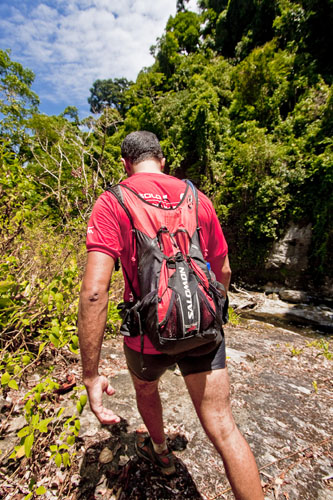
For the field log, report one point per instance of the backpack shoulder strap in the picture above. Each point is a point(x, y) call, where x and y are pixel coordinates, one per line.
point(116, 191)
point(195, 192)
point(199, 229)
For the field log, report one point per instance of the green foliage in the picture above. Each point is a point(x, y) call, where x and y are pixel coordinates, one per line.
point(109, 93)
point(234, 318)
point(263, 90)
point(185, 26)
point(253, 132)
point(19, 196)
point(40, 269)
point(253, 189)
point(315, 386)
point(294, 351)
point(306, 25)
point(102, 150)
point(323, 346)
point(17, 101)
point(56, 157)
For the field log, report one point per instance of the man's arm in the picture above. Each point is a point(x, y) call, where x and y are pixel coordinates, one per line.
point(222, 270)
point(93, 308)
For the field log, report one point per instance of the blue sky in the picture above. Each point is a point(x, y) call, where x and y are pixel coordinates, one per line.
point(71, 43)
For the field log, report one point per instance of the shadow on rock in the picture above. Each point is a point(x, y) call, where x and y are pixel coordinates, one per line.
point(112, 470)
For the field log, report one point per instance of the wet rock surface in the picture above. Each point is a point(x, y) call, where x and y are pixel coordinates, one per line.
point(270, 307)
point(281, 389)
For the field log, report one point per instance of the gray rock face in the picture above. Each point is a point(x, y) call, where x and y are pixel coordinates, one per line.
point(292, 250)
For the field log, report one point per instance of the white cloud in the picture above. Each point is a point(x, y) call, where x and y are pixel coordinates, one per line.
point(71, 43)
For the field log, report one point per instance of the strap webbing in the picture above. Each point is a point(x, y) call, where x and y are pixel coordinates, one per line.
point(195, 192)
point(116, 191)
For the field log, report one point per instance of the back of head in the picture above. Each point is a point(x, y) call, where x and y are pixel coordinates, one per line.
point(141, 145)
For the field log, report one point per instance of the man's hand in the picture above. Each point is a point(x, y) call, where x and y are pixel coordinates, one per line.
point(93, 309)
point(95, 389)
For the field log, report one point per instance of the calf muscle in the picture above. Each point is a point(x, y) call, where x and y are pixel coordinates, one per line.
point(210, 395)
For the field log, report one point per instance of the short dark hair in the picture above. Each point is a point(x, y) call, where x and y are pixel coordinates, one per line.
point(139, 146)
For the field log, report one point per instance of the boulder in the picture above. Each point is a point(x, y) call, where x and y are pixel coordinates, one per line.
point(291, 251)
point(257, 305)
point(293, 296)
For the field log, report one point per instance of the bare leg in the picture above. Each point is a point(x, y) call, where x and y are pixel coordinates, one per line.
point(150, 407)
point(210, 395)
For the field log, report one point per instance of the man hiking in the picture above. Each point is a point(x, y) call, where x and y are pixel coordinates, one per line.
point(120, 227)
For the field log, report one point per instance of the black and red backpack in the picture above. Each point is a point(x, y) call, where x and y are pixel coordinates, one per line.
point(180, 306)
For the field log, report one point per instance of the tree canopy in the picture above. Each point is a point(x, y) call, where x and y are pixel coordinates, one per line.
point(240, 96)
point(109, 93)
point(17, 100)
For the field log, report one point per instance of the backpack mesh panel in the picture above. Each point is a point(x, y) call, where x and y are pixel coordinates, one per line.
point(206, 317)
point(171, 328)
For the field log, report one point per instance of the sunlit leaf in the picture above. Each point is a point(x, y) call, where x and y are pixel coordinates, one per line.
point(29, 440)
point(58, 459)
point(41, 348)
point(26, 359)
point(66, 459)
point(83, 400)
point(13, 384)
point(5, 378)
point(40, 490)
point(23, 432)
point(71, 440)
point(60, 412)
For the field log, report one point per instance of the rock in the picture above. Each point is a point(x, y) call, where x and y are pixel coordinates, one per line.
point(236, 356)
point(297, 314)
point(292, 250)
point(6, 446)
point(89, 425)
point(294, 296)
point(16, 424)
point(105, 456)
point(123, 459)
point(257, 305)
point(274, 404)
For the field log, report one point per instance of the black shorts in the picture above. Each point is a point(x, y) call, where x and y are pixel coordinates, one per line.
point(154, 365)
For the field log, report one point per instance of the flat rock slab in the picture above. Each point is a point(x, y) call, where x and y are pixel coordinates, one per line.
point(257, 305)
point(282, 401)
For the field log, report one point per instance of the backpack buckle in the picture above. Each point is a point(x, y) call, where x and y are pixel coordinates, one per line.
point(171, 262)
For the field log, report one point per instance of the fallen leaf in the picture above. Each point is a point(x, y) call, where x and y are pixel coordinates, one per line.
point(66, 386)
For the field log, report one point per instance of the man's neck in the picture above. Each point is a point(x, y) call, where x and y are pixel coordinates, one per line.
point(148, 166)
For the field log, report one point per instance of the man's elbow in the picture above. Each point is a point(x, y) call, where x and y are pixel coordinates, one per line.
point(93, 295)
point(226, 271)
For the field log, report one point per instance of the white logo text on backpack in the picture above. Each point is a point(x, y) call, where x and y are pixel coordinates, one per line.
point(187, 293)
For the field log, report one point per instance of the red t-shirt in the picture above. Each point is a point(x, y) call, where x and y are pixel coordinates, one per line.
point(109, 230)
